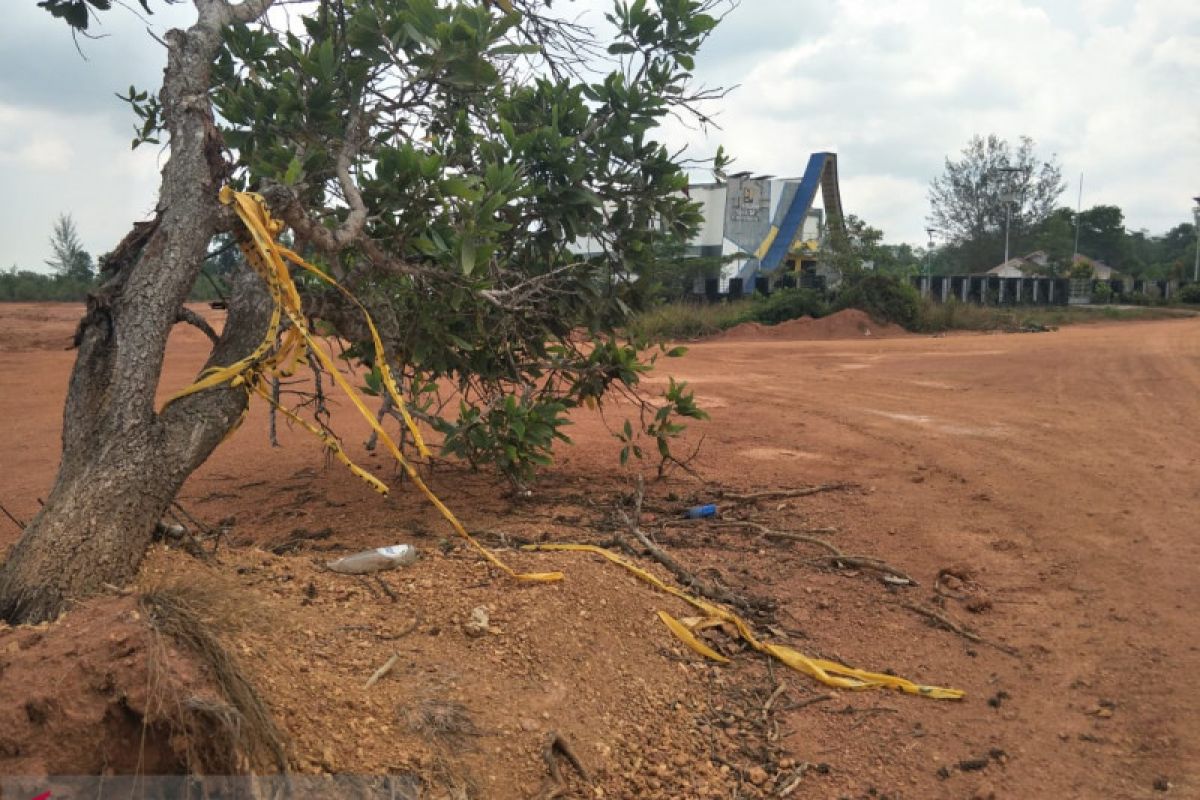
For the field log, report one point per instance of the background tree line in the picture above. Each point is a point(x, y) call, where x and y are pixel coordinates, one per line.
point(969, 201)
point(74, 271)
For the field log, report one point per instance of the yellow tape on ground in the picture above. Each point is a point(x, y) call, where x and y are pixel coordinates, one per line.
point(279, 354)
point(829, 673)
point(686, 636)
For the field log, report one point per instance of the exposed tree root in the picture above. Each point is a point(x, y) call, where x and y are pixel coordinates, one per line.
point(240, 736)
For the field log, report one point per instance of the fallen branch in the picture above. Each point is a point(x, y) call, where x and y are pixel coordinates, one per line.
point(945, 622)
point(784, 493)
point(681, 574)
point(793, 537)
point(684, 576)
point(864, 562)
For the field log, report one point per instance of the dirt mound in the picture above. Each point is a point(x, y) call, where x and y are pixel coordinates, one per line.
point(848, 324)
point(85, 695)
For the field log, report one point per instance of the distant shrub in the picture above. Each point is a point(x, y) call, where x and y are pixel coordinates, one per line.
point(1190, 293)
point(1102, 293)
point(688, 320)
point(955, 315)
point(1136, 299)
point(885, 298)
point(788, 304)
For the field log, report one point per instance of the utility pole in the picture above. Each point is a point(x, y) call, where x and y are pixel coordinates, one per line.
point(1078, 211)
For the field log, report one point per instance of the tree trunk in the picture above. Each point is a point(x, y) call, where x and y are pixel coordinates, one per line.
point(122, 462)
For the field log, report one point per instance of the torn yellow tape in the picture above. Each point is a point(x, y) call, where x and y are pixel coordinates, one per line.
point(278, 355)
point(687, 637)
point(829, 673)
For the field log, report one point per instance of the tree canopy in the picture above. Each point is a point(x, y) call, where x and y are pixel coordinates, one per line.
point(70, 259)
point(968, 200)
point(478, 183)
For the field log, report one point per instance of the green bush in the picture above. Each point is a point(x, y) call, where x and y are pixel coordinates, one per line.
point(516, 435)
point(788, 304)
point(885, 298)
point(1190, 293)
point(1102, 293)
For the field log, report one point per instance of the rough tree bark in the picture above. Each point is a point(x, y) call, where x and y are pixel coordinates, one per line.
point(122, 462)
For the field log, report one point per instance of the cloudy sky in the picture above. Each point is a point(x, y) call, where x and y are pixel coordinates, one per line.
point(1112, 88)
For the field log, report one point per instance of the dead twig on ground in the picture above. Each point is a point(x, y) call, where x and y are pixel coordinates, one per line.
point(797, 534)
point(207, 530)
point(780, 689)
point(556, 744)
point(821, 698)
point(791, 537)
point(382, 672)
point(386, 588)
point(942, 621)
point(683, 575)
point(865, 562)
point(773, 494)
point(835, 555)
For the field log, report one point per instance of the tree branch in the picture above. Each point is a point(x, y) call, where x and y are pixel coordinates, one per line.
point(196, 321)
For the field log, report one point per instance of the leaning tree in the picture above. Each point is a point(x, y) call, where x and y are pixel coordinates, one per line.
point(482, 176)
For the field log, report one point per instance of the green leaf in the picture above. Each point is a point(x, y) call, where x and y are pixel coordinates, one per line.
point(294, 172)
point(467, 255)
point(664, 449)
point(516, 50)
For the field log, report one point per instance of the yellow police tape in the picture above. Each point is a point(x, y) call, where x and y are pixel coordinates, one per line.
point(829, 673)
point(278, 356)
point(256, 238)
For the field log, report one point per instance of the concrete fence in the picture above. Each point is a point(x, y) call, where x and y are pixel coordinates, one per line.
point(993, 290)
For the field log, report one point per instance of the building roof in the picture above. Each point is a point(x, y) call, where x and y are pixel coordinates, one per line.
point(1031, 262)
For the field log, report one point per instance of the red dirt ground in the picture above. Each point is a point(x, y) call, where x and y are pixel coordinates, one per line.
point(1058, 473)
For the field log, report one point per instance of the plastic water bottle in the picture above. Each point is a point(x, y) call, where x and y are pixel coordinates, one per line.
point(377, 560)
point(701, 512)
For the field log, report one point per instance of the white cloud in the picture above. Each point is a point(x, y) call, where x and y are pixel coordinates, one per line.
point(893, 86)
point(898, 86)
point(55, 162)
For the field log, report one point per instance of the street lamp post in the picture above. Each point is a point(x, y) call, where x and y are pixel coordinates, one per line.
point(929, 253)
point(1008, 198)
point(1196, 217)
